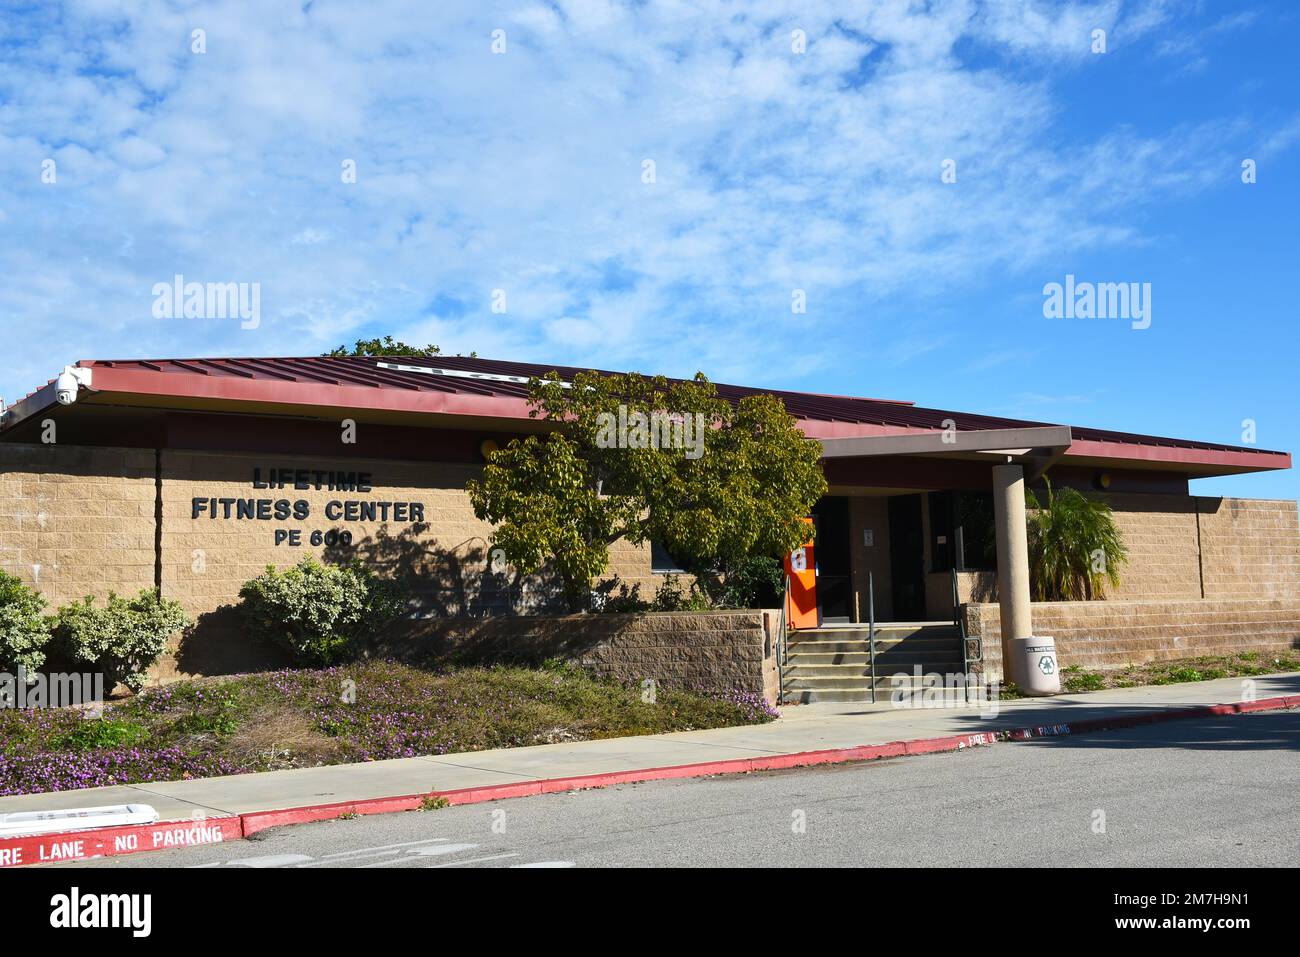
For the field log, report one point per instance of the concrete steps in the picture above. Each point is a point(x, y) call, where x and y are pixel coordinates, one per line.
point(834, 664)
point(910, 646)
point(884, 692)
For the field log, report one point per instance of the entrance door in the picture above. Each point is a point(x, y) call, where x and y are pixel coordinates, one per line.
point(907, 557)
point(831, 550)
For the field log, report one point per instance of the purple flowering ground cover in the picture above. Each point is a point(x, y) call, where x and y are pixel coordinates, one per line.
point(362, 712)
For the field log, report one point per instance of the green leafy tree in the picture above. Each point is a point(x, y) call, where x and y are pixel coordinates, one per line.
point(738, 487)
point(387, 346)
point(1075, 548)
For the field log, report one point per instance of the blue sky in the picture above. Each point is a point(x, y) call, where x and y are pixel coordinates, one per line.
point(775, 170)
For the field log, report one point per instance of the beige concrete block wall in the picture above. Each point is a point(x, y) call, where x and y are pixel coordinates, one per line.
point(978, 586)
point(1113, 634)
point(1250, 547)
point(444, 559)
point(446, 554)
point(1227, 546)
point(206, 560)
point(1246, 548)
point(1160, 532)
point(77, 521)
point(717, 651)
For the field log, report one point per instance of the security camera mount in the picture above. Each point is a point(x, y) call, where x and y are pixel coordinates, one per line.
point(69, 380)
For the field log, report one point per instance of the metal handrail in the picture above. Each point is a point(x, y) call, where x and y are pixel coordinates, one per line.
point(780, 650)
point(966, 643)
point(956, 607)
point(956, 623)
point(871, 632)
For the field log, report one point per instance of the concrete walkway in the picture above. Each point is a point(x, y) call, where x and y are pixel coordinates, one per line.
point(814, 727)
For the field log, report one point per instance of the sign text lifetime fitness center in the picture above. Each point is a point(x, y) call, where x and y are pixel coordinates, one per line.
point(299, 510)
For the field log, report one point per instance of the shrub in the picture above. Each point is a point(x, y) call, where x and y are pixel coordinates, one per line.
point(670, 597)
point(123, 638)
point(1076, 679)
point(613, 597)
point(1075, 547)
point(24, 632)
point(753, 582)
point(320, 614)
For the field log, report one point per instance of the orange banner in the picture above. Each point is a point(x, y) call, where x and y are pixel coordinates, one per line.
point(801, 568)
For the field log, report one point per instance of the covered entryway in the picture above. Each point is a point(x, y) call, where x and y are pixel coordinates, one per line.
point(877, 590)
point(871, 596)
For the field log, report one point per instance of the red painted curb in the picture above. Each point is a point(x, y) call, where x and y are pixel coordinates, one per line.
point(112, 841)
point(83, 845)
point(490, 792)
point(260, 820)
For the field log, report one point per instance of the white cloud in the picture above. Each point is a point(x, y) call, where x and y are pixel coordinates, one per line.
point(132, 151)
point(523, 171)
point(309, 237)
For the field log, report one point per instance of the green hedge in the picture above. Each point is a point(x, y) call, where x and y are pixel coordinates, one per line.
point(120, 639)
point(320, 614)
point(24, 629)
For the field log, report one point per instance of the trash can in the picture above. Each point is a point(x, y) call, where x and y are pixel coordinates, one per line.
point(1038, 669)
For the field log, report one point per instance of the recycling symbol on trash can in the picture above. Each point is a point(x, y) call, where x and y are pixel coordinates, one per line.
point(1047, 664)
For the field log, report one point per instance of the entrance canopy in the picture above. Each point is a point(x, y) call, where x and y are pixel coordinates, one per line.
point(1036, 446)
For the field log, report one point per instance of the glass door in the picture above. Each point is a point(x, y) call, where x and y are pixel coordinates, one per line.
point(832, 551)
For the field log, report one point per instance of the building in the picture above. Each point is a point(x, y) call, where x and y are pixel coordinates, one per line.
point(193, 474)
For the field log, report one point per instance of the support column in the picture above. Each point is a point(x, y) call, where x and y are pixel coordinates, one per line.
point(1013, 564)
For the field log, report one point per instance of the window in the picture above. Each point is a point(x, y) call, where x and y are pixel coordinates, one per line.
point(662, 563)
point(975, 518)
point(961, 531)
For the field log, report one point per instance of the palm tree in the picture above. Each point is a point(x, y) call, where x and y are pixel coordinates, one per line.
point(1075, 549)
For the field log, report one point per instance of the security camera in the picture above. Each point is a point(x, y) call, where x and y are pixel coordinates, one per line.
point(65, 386)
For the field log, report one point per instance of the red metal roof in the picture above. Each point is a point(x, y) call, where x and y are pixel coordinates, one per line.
point(367, 371)
point(363, 382)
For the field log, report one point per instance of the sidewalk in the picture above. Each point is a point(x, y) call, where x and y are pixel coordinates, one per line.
point(813, 727)
point(783, 743)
